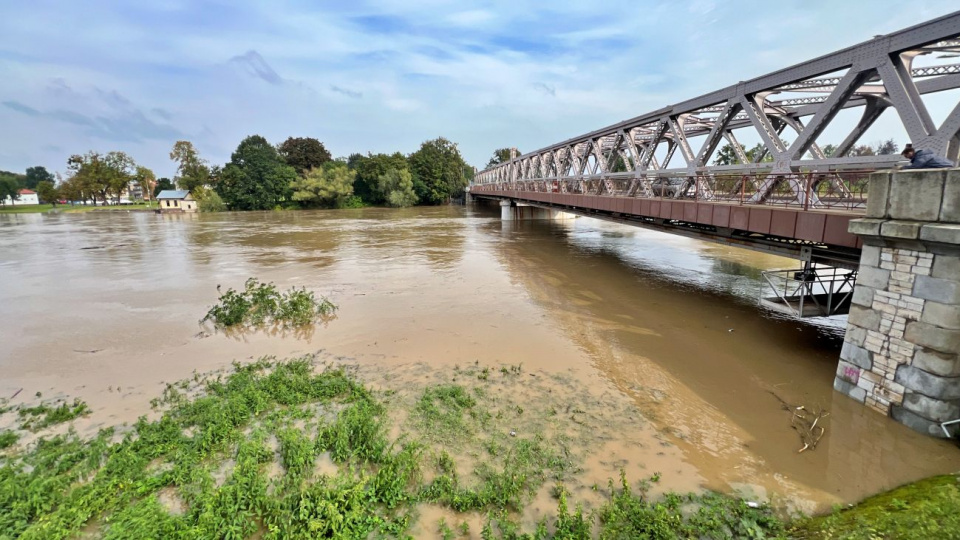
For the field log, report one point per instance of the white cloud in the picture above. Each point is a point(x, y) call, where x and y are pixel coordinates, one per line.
point(384, 77)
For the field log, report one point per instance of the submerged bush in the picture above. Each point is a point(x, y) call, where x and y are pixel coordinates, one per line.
point(260, 304)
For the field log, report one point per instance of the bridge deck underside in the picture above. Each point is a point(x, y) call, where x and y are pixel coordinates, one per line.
point(779, 230)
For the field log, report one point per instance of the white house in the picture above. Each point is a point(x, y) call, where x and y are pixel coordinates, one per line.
point(176, 201)
point(27, 197)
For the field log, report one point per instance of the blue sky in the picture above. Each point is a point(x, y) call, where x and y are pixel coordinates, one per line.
point(384, 76)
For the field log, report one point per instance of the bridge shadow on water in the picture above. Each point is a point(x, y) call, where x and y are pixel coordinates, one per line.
point(674, 323)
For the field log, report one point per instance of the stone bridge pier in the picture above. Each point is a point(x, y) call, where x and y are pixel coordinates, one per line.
point(900, 352)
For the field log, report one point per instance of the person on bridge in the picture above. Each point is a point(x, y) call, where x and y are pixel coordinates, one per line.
point(925, 159)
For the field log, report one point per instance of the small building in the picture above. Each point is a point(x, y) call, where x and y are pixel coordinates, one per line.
point(176, 200)
point(27, 197)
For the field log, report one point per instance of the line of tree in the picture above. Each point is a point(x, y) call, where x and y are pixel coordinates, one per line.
point(35, 178)
point(727, 155)
point(300, 172)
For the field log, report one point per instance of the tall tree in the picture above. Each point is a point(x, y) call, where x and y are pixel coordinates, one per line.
point(119, 172)
point(35, 175)
point(397, 188)
point(501, 155)
point(329, 185)
point(303, 153)
point(145, 178)
point(861, 150)
point(47, 192)
point(192, 170)
point(163, 184)
point(88, 176)
point(887, 147)
point(9, 187)
point(369, 170)
point(438, 171)
point(256, 177)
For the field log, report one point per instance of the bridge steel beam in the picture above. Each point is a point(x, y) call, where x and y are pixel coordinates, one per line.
point(901, 351)
point(874, 75)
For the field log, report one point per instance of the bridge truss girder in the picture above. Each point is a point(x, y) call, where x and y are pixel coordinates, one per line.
point(872, 76)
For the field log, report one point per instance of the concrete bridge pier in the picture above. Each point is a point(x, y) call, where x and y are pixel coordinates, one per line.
point(900, 352)
point(511, 211)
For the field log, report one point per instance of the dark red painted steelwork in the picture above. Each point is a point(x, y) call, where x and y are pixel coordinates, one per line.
point(827, 227)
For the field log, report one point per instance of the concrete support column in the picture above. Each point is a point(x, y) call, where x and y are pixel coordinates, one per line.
point(900, 352)
point(510, 211)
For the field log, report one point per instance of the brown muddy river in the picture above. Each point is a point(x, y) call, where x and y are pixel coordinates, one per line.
point(104, 306)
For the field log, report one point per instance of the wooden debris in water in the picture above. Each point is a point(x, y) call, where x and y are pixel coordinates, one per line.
point(807, 425)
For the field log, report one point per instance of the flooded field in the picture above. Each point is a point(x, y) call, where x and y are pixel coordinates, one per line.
point(653, 344)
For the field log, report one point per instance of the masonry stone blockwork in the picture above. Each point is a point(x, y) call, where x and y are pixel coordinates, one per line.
point(900, 353)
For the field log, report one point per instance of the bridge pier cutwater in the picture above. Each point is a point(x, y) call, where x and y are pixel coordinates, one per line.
point(901, 351)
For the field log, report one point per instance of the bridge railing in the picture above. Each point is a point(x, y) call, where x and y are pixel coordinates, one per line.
point(847, 190)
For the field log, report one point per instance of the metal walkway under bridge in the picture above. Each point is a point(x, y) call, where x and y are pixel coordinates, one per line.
point(793, 199)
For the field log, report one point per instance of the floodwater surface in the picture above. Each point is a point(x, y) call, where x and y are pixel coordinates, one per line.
point(657, 338)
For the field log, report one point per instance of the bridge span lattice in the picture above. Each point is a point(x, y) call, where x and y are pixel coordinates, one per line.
point(637, 157)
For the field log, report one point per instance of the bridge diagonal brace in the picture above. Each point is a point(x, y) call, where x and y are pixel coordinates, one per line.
point(903, 93)
point(807, 136)
point(718, 130)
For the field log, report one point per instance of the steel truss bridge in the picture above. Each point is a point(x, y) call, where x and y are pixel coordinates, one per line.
point(789, 198)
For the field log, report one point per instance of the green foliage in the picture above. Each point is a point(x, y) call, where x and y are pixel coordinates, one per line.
point(256, 177)
point(192, 171)
point(9, 187)
point(328, 186)
point(47, 192)
point(303, 153)
point(208, 200)
point(261, 304)
point(369, 169)
point(145, 178)
point(502, 155)
point(926, 509)
point(630, 515)
point(43, 415)
point(438, 170)
point(94, 175)
point(396, 186)
point(352, 201)
point(163, 184)
point(8, 439)
point(35, 175)
point(441, 410)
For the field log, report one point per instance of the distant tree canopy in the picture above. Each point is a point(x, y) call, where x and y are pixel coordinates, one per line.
point(369, 169)
point(35, 175)
point(396, 187)
point(303, 153)
point(47, 192)
point(329, 186)
point(94, 175)
point(500, 155)
point(9, 187)
point(163, 184)
point(261, 176)
point(256, 178)
point(439, 171)
point(726, 155)
point(192, 170)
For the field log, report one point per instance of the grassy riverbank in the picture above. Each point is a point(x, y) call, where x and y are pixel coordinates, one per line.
point(298, 450)
point(71, 209)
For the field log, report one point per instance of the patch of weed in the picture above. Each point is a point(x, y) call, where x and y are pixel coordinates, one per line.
point(260, 304)
point(44, 415)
